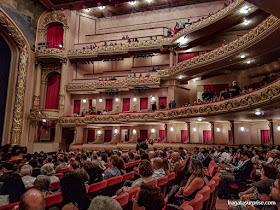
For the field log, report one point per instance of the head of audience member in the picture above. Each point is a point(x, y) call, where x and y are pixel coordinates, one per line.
point(75, 165)
point(121, 164)
point(73, 190)
point(49, 159)
point(275, 153)
point(47, 170)
point(83, 174)
point(158, 163)
point(145, 168)
point(152, 154)
point(124, 156)
point(263, 192)
point(26, 170)
point(104, 203)
point(43, 183)
point(104, 157)
point(114, 161)
point(145, 156)
point(204, 152)
point(33, 163)
point(196, 169)
point(60, 160)
point(139, 141)
point(175, 156)
point(244, 156)
point(275, 190)
point(131, 156)
point(165, 165)
point(149, 197)
point(32, 200)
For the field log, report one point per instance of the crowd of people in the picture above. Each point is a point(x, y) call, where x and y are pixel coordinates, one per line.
point(21, 170)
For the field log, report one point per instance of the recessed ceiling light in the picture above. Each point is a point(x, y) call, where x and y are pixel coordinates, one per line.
point(248, 62)
point(194, 129)
point(242, 129)
point(101, 7)
point(245, 10)
point(183, 40)
point(84, 101)
point(278, 128)
point(149, 1)
point(258, 113)
point(218, 130)
point(242, 56)
point(132, 2)
point(246, 22)
point(44, 120)
point(86, 10)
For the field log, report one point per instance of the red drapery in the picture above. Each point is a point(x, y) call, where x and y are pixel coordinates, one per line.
point(77, 106)
point(108, 136)
point(265, 135)
point(55, 36)
point(184, 136)
point(143, 134)
point(126, 104)
point(52, 96)
point(109, 104)
point(216, 89)
point(162, 100)
point(206, 137)
point(186, 56)
point(91, 135)
point(161, 134)
point(90, 103)
point(143, 103)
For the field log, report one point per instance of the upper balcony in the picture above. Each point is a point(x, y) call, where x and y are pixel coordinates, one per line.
point(50, 54)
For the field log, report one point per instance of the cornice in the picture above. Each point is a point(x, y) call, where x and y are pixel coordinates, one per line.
point(262, 97)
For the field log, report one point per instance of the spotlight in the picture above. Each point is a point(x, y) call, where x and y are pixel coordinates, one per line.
point(149, 1)
point(242, 56)
point(134, 132)
point(44, 120)
point(278, 128)
point(100, 100)
point(86, 10)
point(134, 99)
point(99, 132)
point(171, 129)
point(246, 22)
point(245, 10)
point(153, 130)
point(117, 99)
point(180, 77)
point(153, 98)
point(248, 62)
point(116, 131)
point(183, 40)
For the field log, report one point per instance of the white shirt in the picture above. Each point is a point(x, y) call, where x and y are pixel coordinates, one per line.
point(269, 160)
point(225, 157)
point(28, 181)
point(159, 173)
point(142, 180)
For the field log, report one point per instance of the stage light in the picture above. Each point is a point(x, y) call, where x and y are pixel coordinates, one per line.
point(99, 132)
point(134, 99)
point(84, 101)
point(242, 129)
point(100, 100)
point(134, 132)
point(60, 45)
point(44, 120)
point(258, 113)
point(171, 129)
point(278, 128)
point(101, 7)
point(242, 56)
point(117, 99)
point(153, 130)
point(246, 22)
point(194, 129)
point(199, 119)
point(132, 3)
point(116, 131)
point(218, 130)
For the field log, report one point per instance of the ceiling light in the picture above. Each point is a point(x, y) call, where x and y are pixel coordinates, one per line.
point(84, 101)
point(245, 10)
point(153, 130)
point(100, 100)
point(248, 62)
point(183, 40)
point(278, 127)
point(242, 56)
point(101, 7)
point(117, 99)
point(258, 113)
point(149, 1)
point(132, 2)
point(153, 98)
point(218, 130)
point(246, 22)
point(134, 99)
point(171, 129)
point(44, 120)
point(194, 79)
point(199, 119)
point(194, 129)
point(242, 129)
point(180, 77)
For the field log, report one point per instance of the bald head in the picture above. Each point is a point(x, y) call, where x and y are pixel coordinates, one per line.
point(175, 156)
point(158, 163)
point(32, 200)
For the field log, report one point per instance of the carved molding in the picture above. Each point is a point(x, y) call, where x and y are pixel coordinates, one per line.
point(54, 17)
point(259, 98)
point(113, 84)
point(12, 30)
point(36, 102)
point(51, 53)
point(61, 101)
point(40, 114)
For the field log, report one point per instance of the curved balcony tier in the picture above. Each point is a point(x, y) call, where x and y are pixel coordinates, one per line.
point(50, 54)
point(259, 98)
point(46, 114)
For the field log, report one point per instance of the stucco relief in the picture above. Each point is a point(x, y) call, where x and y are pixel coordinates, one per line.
point(54, 17)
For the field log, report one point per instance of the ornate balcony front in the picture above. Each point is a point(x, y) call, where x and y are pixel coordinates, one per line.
point(50, 54)
point(44, 114)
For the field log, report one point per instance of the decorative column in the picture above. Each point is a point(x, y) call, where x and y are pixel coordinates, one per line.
point(165, 134)
point(177, 58)
point(212, 125)
point(231, 140)
point(271, 128)
point(36, 100)
point(171, 57)
point(189, 132)
point(63, 81)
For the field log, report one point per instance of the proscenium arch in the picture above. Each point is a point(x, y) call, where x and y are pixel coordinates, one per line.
point(20, 64)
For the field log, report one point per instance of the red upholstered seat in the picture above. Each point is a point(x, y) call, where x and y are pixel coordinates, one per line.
point(205, 191)
point(171, 176)
point(154, 182)
point(162, 181)
point(114, 180)
point(97, 186)
point(188, 207)
point(196, 203)
point(113, 184)
point(59, 175)
point(55, 185)
point(211, 184)
point(9, 207)
point(212, 168)
point(132, 193)
point(122, 199)
point(53, 199)
point(64, 170)
point(128, 176)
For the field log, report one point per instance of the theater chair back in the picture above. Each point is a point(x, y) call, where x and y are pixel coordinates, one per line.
point(154, 182)
point(9, 207)
point(212, 185)
point(59, 175)
point(55, 185)
point(196, 203)
point(53, 199)
point(171, 180)
point(205, 191)
point(97, 188)
point(162, 183)
point(113, 184)
point(212, 168)
point(132, 193)
point(122, 199)
point(179, 175)
point(129, 166)
point(128, 176)
point(217, 179)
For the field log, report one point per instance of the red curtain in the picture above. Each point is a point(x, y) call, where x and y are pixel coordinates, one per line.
point(77, 106)
point(206, 137)
point(143, 134)
point(89, 103)
point(216, 89)
point(126, 104)
point(184, 136)
point(55, 36)
point(109, 104)
point(91, 135)
point(143, 103)
point(108, 136)
point(162, 100)
point(265, 135)
point(161, 134)
point(52, 96)
point(186, 56)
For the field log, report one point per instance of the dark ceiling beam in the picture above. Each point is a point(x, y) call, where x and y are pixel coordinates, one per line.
point(271, 6)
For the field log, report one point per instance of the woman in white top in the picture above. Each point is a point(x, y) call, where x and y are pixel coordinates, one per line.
point(49, 171)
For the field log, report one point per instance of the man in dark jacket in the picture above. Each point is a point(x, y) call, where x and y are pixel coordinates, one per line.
point(206, 158)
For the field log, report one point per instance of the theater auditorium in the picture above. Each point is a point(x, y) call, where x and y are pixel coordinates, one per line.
point(140, 104)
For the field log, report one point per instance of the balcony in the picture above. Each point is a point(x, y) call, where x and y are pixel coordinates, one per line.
point(44, 114)
point(50, 54)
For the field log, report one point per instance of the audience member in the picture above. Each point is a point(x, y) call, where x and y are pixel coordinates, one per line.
point(27, 179)
point(32, 200)
point(104, 203)
point(174, 163)
point(113, 170)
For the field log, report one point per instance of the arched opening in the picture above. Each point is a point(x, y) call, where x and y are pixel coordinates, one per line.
point(55, 36)
point(52, 95)
point(5, 61)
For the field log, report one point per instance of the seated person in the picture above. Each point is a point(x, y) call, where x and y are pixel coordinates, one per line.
point(158, 168)
point(206, 158)
point(174, 163)
point(25, 172)
point(49, 171)
point(195, 183)
point(162, 106)
point(43, 184)
point(101, 202)
point(113, 170)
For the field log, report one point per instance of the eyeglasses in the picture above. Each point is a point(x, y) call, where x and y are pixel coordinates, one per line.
point(134, 200)
point(273, 186)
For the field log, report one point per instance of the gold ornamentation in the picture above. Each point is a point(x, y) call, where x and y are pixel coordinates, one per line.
point(40, 114)
point(50, 52)
point(36, 102)
point(61, 101)
point(54, 17)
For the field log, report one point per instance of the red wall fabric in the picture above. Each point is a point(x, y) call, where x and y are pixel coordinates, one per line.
point(143, 134)
point(55, 36)
point(126, 104)
point(265, 136)
point(162, 100)
point(206, 137)
point(216, 89)
point(109, 104)
point(143, 103)
point(184, 135)
point(186, 56)
point(90, 103)
point(161, 134)
point(52, 96)
point(77, 106)
point(91, 135)
point(108, 136)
